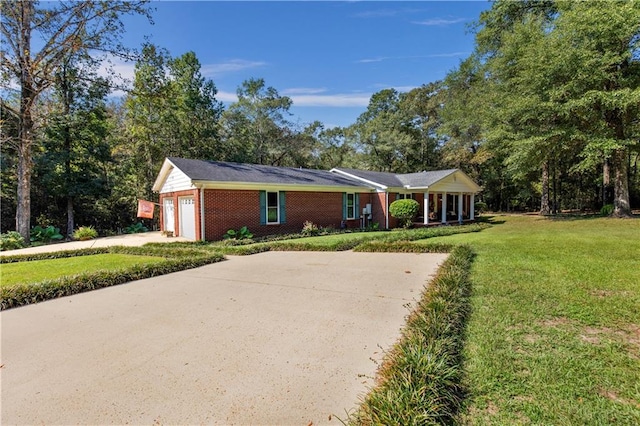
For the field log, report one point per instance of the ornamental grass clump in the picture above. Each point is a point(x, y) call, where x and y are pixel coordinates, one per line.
point(85, 233)
point(420, 379)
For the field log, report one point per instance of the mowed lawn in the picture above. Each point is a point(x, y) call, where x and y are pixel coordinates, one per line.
point(554, 336)
point(40, 270)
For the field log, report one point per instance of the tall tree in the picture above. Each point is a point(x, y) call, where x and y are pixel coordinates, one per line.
point(61, 28)
point(74, 140)
point(256, 127)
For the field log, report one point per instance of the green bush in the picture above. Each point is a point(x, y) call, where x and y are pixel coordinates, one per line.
point(606, 210)
point(11, 240)
point(136, 228)
point(242, 234)
point(404, 211)
point(46, 234)
point(480, 207)
point(85, 233)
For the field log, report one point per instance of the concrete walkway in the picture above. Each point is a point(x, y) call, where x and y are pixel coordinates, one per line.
point(118, 240)
point(274, 338)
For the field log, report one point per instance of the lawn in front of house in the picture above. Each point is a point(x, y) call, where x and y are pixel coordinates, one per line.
point(39, 270)
point(554, 335)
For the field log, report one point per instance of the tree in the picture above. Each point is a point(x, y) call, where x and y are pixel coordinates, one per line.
point(171, 111)
point(256, 128)
point(74, 140)
point(64, 27)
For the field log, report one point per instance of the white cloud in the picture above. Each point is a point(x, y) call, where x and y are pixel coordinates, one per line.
point(232, 65)
point(440, 22)
point(302, 91)
point(370, 60)
point(386, 58)
point(227, 97)
point(336, 100)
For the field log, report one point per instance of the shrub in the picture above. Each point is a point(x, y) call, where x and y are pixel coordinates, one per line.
point(606, 210)
point(310, 229)
point(404, 211)
point(45, 235)
point(136, 228)
point(85, 233)
point(242, 234)
point(480, 207)
point(11, 240)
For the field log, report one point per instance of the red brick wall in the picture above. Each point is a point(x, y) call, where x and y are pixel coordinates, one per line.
point(233, 209)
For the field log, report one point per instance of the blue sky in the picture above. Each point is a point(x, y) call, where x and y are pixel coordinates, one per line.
point(329, 57)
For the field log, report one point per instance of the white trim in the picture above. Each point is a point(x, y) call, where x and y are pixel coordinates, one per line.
point(257, 186)
point(460, 202)
point(444, 208)
point(202, 234)
point(426, 207)
point(353, 206)
point(349, 175)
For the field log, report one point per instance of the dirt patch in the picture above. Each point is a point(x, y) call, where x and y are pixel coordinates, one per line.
point(603, 294)
point(629, 335)
point(613, 396)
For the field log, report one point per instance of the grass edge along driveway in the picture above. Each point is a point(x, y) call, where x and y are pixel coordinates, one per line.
point(554, 337)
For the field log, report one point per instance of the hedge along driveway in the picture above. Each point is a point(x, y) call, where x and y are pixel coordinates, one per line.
point(273, 338)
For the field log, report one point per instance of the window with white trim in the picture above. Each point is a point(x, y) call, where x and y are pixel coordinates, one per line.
point(405, 196)
point(351, 205)
point(273, 207)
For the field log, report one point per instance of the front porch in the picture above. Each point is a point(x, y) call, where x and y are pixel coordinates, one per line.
point(440, 208)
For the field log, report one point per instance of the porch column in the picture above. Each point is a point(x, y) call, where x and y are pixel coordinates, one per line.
point(460, 201)
point(426, 208)
point(472, 207)
point(444, 207)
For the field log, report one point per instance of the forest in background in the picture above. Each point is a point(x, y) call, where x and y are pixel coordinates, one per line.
point(544, 115)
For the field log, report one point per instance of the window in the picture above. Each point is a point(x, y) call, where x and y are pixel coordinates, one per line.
point(351, 205)
point(272, 208)
point(405, 197)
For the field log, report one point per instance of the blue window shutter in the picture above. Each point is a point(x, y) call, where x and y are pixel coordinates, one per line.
point(283, 214)
point(344, 206)
point(356, 205)
point(263, 207)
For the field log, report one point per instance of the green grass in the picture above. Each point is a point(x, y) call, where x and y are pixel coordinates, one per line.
point(40, 270)
point(554, 337)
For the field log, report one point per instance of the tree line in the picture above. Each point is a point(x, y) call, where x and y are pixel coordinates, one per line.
point(544, 115)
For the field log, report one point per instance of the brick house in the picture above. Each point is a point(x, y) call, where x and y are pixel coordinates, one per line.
point(202, 200)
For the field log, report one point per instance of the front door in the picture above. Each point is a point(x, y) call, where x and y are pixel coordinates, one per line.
point(169, 215)
point(187, 218)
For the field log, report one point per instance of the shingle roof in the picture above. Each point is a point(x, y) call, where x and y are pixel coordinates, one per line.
point(415, 180)
point(219, 171)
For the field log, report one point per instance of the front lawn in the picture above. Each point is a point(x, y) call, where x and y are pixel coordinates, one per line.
point(39, 270)
point(554, 336)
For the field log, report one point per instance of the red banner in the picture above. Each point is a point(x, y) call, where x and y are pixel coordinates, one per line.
point(145, 209)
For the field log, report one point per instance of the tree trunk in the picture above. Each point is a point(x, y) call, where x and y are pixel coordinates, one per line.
point(25, 131)
point(70, 218)
point(607, 193)
point(621, 204)
point(545, 209)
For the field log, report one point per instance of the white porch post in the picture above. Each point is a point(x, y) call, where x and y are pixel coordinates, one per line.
point(472, 207)
point(460, 200)
point(426, 208)
point(444, 207)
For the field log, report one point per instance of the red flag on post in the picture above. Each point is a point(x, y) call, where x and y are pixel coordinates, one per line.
point(145, 209)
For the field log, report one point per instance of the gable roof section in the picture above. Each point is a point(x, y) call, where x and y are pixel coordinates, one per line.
point(408, 181)
point(201, 171)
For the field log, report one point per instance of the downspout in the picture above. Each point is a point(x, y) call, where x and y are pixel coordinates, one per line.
point(202, 234)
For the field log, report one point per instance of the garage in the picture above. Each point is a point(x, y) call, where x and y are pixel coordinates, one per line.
point(187, 217)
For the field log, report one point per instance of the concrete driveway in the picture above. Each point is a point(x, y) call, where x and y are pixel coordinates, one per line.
point(116, 240)
point(275, 338)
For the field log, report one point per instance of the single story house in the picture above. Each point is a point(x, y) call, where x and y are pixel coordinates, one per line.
point(202, 200)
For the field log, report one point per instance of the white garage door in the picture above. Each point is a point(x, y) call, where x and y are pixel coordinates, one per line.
point(169, 215)
point(187, 218)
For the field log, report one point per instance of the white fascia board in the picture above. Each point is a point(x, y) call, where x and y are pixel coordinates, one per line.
point(257, 186)
point(349, 175)
point(166, 168)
